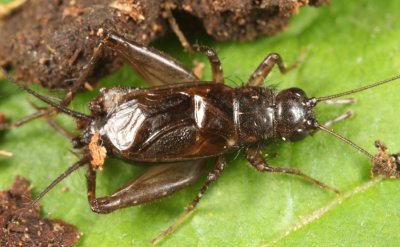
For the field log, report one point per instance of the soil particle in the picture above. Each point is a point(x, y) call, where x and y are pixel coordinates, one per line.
point(19, 227)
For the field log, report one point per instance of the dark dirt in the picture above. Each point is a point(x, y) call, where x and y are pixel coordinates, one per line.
point(244, 19)
point(55, 38)
point(30, 229)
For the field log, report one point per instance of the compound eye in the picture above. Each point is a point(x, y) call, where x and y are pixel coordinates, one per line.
point(304, 129)
point(299, 93)
point(299, 135)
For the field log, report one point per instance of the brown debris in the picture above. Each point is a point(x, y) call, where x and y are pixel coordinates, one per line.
point(3, 121)
point(98, 152)
point(25, 228)
point(130, 8)
point(385, 164)
point(2, 118)
point(198, 69)
point(53, 40)
point(64, 189)
point(5, 153)
point(73, 11)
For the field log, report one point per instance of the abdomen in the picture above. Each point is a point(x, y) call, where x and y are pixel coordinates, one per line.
point(172, 123)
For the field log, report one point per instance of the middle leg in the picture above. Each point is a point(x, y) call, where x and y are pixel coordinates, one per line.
point(212, 177)
point(262, 71)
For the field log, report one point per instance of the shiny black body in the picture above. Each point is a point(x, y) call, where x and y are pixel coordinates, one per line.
point(192, 120)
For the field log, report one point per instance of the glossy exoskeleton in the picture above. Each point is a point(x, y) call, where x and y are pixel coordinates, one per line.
point(179, 122)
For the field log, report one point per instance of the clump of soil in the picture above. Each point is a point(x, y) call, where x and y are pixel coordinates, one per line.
point(49, 41)
point(244, 19)
point(19, 227)
point(55, 39)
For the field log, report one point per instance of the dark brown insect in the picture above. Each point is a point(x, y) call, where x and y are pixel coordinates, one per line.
point(178, 123)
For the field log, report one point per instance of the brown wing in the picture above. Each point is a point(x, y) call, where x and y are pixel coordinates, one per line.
point(160, 69)
point(172, 124)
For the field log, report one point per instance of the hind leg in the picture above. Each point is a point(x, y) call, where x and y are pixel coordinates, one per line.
point(155, 183)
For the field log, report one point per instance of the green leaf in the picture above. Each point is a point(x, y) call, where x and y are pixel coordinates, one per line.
point(349, 44)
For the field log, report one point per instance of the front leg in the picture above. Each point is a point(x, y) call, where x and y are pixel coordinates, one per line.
point(254, 156)
point(262, 71)
point(217, 73)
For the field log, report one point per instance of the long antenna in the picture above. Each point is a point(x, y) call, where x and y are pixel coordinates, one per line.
point(358, 89)
point(61, 108)
point(56, 181)
point(363, 151)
